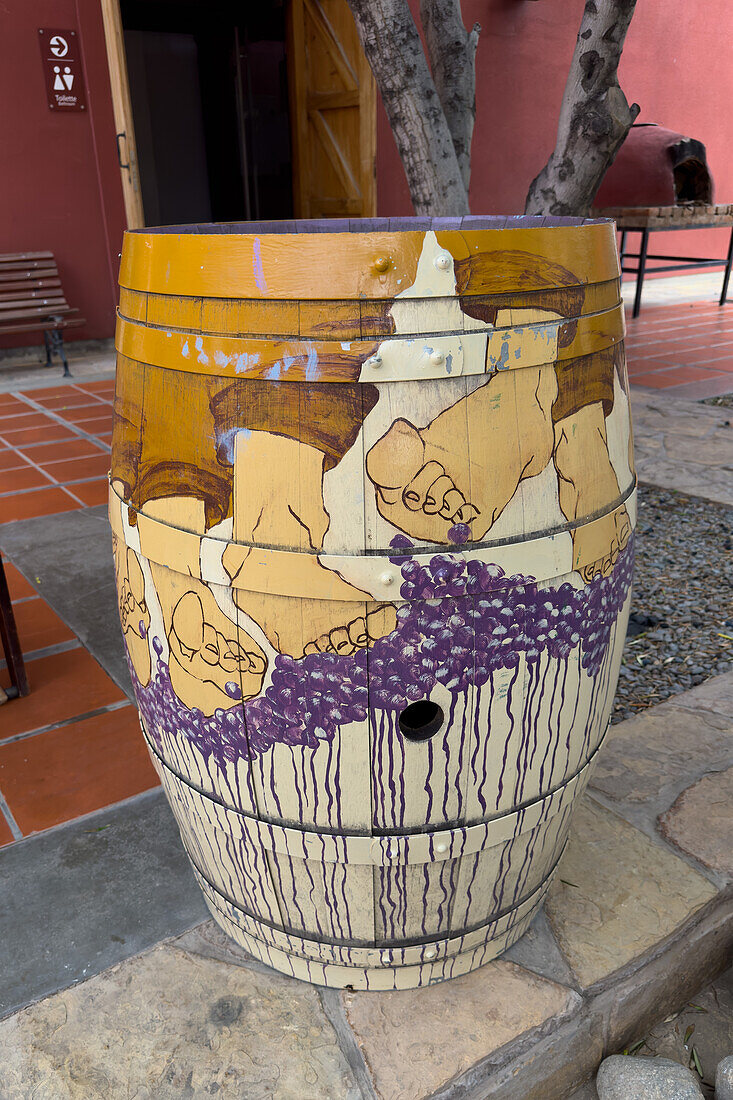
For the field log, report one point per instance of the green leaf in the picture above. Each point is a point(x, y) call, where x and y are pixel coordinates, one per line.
point(696, 1060)
point(688, 1033)
point(635, 1046)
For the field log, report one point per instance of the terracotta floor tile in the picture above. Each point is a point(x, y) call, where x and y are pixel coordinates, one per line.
point(62, 686)
point(10, 403)
point(101, 386)
point(10, 459)
point(98, 425)
point(94, 466)
point(17, 421)
point(664, 379)
point(49, 391)
point(26, 477)
point(39, 626)
point(92, 411)
point(64, 773)
point(19, 587)
point(48, 433)
point(57, 452)
point(72, 400)
point(91, 493)
point(6, 836)
point(35, 502)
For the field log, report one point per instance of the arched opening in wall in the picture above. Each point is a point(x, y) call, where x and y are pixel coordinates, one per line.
point(242, 111)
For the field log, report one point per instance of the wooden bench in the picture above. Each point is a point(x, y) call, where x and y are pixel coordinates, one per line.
point(32, 300)
point(653, 219)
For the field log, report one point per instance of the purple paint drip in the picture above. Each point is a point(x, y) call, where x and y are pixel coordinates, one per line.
point(440, 638)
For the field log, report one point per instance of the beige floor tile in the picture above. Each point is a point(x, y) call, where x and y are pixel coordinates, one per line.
point(167, 1025)
point(660, 749)
point(416, 1040)
point(617, 893)
point(701, 821)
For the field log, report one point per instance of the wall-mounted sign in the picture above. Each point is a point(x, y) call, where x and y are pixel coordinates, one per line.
point(62, 69)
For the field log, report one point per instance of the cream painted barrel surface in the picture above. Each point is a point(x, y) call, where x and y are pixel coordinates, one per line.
point(373, 500)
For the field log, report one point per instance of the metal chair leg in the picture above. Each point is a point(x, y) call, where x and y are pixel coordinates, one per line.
point(11, 642)
point(641, 272)
point(726, 277)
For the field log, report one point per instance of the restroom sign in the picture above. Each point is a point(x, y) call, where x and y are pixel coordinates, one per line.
point(62, 69)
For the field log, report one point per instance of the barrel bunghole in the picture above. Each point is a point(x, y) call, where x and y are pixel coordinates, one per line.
point(372, 497)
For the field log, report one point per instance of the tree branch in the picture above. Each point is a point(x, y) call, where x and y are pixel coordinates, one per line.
point(595, 116)
point(452, 54)
point(393, 48)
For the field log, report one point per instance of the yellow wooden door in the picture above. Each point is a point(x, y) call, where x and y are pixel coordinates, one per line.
point(333, 113)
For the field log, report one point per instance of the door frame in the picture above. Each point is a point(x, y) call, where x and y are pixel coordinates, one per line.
point(122, 106)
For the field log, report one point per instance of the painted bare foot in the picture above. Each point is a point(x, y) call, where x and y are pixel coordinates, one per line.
point(337, 623)
point(413, 490)
point(360, 633)
point(212, 664)
point(600, 543)
point(134, 613)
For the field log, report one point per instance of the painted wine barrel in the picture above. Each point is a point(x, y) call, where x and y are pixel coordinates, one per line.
point(372, 498)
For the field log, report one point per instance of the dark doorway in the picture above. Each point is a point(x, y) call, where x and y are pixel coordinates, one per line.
point(208, 84)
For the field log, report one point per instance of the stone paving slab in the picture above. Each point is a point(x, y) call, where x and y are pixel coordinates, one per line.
point(617, 894)
point(683, 445)
point(415, 1041)
point(648, 760)
point(170, 1024)
point(701, 821)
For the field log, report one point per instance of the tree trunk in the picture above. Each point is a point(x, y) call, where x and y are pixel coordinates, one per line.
point(595, 116)
point(393, 48)
point(452, 54)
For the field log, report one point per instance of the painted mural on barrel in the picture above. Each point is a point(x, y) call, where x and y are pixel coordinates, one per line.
point(372, 522)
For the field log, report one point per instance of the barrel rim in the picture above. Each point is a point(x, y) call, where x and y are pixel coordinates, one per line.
point(306, 226)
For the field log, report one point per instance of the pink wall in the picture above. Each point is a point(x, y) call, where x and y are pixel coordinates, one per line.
point(676, 65)
point(60, 185)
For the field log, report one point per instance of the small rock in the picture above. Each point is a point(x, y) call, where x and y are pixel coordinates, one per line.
point(724, 1079)
point(623, 1077)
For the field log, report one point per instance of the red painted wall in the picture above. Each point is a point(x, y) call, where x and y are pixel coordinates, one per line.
point(676, 65)
point(60, 184)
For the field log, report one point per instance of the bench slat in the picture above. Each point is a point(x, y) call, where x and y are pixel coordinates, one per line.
point(12, 257)
point(41, 273)
point(29, 286)
point(27, 271)
point(34, 298)
point(40, 312)
point(73, 323)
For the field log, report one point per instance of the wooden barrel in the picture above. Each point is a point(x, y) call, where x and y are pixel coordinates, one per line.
point(372, 497)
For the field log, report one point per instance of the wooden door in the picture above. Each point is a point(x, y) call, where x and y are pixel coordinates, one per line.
point(333, 113)
point(126, 148)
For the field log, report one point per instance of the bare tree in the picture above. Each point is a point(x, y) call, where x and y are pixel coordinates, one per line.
point(595, 116)
point(431, 107)
point(431, 115)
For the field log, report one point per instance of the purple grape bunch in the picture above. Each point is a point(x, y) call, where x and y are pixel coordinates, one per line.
point(464, 621)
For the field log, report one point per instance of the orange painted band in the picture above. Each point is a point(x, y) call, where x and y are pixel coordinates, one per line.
point(309, 360)
point(345, 265)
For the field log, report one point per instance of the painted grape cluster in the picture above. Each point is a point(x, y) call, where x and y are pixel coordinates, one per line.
point(465, 620)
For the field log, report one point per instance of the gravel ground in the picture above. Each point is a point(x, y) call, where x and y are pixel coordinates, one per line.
point(725, 399)
point(681, 626)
